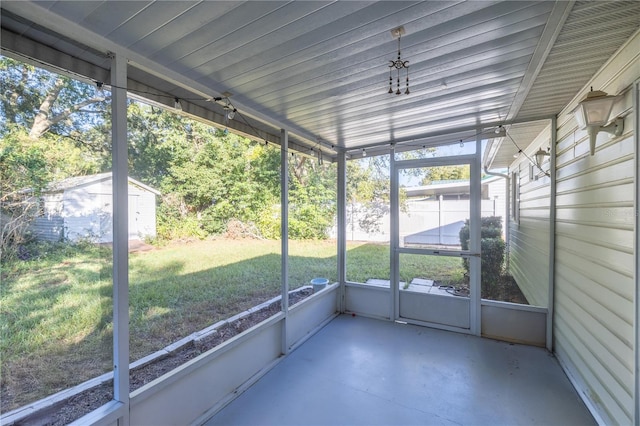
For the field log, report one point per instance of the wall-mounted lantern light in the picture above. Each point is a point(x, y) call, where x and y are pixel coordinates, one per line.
point(540, 154)
point(593, 113)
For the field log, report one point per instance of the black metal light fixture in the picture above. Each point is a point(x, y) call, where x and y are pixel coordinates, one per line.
point(398, 64)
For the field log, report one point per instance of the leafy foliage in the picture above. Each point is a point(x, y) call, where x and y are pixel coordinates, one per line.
point(368, 191)
point(446, 173)
point(492, 247)
point(58, 127)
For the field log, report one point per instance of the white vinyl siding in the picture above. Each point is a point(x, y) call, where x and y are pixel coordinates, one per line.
point(529, 236)
point(595, 220)
point(593, 315)
point(594, 272)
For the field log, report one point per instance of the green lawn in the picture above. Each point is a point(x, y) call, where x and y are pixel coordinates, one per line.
point(56, 328)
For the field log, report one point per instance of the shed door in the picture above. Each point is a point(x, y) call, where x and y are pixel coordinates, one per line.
point(134, 217)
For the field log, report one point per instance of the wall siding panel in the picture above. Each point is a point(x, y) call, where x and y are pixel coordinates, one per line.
point(594, 307)
point(529, 237)
point(594, 293)
point(594, 290)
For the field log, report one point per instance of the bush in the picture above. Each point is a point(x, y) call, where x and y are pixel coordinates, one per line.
point(268, 223)
point(492, 248)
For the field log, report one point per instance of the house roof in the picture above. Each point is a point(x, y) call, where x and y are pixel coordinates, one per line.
point(321, 69)
point(74, 182)
point(450, 186)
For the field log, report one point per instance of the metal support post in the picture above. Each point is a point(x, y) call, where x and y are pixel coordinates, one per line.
point(120, 235)
point(552, 233)
point(342, 228)
point(284, 232)
point(475, 224)
point(394, 239)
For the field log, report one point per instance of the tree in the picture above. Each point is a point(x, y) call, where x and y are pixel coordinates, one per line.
point(312, 198)
point(438, 173)
point(42, 101)
point(22, 176)
point(50, 121)
point(60, 127)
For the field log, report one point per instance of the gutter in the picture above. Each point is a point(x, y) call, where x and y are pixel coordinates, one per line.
point(507, 221)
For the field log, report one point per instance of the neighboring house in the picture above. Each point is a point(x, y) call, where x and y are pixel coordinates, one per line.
point(436, 212)
point(81, 207)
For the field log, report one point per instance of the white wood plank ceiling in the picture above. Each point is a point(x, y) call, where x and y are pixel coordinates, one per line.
point(320, 69)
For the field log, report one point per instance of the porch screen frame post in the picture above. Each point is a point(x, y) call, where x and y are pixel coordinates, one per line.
point(120, 235)
point(394, 239)
point(284, 232)
point(636, 269)
point(475, 293)
point(552, 234)
point(342, 228)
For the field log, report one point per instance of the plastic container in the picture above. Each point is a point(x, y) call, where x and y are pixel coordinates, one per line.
point(319, 284)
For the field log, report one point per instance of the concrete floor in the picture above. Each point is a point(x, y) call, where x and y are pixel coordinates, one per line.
point(360, 371)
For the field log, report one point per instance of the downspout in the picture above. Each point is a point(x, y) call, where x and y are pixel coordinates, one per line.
point(507, 215)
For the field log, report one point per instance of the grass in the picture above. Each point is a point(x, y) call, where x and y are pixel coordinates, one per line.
point(56, 308)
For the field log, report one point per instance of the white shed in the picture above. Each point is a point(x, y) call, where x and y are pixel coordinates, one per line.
point(82, 208)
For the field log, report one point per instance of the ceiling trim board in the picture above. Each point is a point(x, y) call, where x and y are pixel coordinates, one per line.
point(557, 18)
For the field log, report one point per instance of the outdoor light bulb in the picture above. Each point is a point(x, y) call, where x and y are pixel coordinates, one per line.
point(498, 130)
point(177, 105)
point(100, 90)
point(461, 144)
point(231, 114)
point(364, 153)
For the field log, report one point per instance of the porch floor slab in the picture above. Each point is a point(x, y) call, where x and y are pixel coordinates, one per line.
point(361, 371)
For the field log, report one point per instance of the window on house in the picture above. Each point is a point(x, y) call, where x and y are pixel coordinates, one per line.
point(515, 197)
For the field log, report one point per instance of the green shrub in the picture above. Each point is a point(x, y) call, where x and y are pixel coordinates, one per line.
point(492, 248)
point(268, 223)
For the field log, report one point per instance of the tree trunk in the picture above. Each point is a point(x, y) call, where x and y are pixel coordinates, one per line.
point(41, 122)
point(299, 171)
point(44, 120)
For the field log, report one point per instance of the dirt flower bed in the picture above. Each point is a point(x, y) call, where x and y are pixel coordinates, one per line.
point(83, 403)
